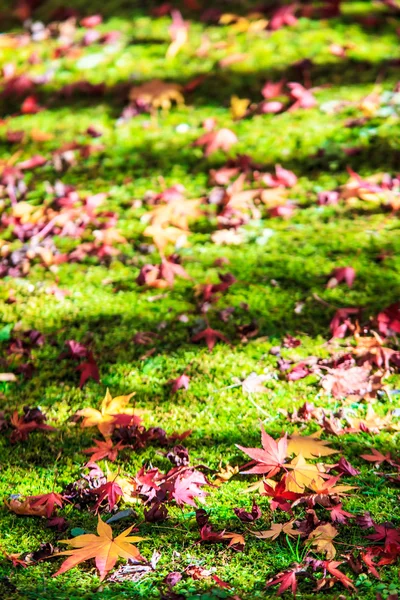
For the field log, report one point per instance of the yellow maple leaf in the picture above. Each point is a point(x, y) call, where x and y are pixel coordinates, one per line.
point(303, 474)
point(322, 538)
point(104, 418)
point(102, 547)
point(162, 236)
point(239, 107)
point(310, 446)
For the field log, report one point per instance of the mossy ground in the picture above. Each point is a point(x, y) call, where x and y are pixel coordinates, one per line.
point(107, 307)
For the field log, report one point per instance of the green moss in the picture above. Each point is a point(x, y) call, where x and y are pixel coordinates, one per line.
point(106, 307)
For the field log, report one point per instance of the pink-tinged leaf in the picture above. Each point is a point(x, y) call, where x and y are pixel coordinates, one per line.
point(91, 21)
point(298, 372)
point(341, 274)
point(273, 89)
point(341, 322)
point(346, 468)
point(271, 458)
point(283, 16)
point(181, 382)
point(377, 457)
point(284, 211)
point(389, 320)
point(220, 139)
point(187, 488)
point(303, 97)
point(32, 163)
point(282, 178)
point(271, 108)
point(30, 106)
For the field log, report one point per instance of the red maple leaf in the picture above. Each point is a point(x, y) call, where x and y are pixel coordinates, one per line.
point(104, 449)
point(389, 320)
point(208, 535)
point(23, 428)
point(340, 274)
point(377, 457)
point(286, 580)
point(210, 336)
point(387, 534)
point(110, 491)
point(340, 322)
point(88, 370)
point(271, 459)
point(367, 557)
point(332, 567)
point(280, 495)
point(48, 500)
point(338, 515)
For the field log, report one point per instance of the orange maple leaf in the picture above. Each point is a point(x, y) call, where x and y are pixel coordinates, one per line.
point(102, 547)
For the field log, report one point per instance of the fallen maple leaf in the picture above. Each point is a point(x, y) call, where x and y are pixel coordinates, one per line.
point(332, 568)
point(303, 474)
point(309, 446)
point(239, 107)
point(102, 547)
point(181, 382)
point(279, 494)
point(89, 370)
point(179, 32)
point(340, 274)
point(338, 515)
point(22, 427)
point(322, 538)
point(187, 488)
point(389, 320)
point(104, 418)
point(235, 539)
point(110, 491)
point(377, 457)
point(220, 139)
point(104, 449)
point(286, 580)
point(271, 458)
point(344, 382)
point(276, 530)
point(47, 501)
point(157, 94)
point(210, 336)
